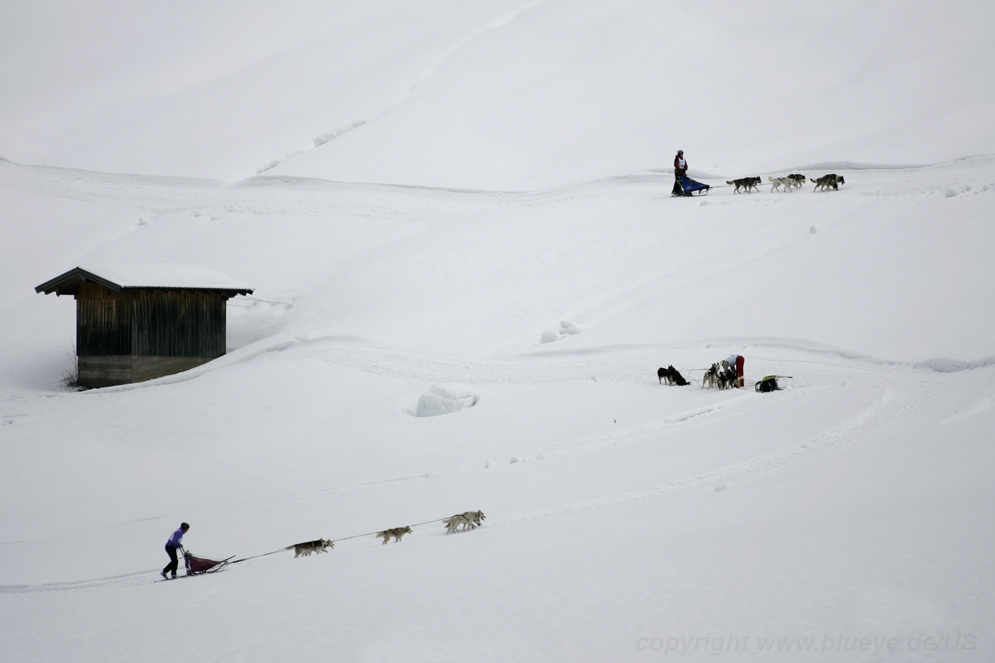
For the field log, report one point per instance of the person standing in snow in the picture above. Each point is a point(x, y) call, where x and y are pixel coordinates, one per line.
point(171, 546)
point(680, 170)
point(737, 361)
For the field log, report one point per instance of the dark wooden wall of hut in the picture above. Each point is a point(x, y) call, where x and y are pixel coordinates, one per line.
point(103, 321)
point(151, 323)
point(171, 323)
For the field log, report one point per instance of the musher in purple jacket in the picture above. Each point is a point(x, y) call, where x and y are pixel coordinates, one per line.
point(171, 546)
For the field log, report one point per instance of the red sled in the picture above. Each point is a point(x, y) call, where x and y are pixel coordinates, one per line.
point(199, 565)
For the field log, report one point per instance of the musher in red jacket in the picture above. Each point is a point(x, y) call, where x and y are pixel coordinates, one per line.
point(680, 165)
point(680, 170)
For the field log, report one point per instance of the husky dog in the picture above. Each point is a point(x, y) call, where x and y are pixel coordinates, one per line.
point(723, 376)
point(727, 376)
point(745, 183)
point(732, 378)
point(396, 532)
point(305, 549)
point(467, 520)
point(826, 181)
point(671, 375)
point(777, 182)
point(477, 517)
point(674, 377)
point(797, 179)
point(711, 377)
point(453, 523)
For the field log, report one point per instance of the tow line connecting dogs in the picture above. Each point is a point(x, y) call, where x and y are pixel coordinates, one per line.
point(466, 520)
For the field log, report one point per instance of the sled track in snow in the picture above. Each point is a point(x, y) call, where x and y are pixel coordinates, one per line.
point(890, 414)
point(125, 580)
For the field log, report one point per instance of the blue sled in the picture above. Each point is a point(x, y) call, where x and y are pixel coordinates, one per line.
point(688, 187)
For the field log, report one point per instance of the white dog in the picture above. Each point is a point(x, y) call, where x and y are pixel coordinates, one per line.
point(467, 520)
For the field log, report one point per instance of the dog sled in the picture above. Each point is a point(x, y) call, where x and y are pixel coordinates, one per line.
point(200, 565)
point(688, 187)
point(769, 384)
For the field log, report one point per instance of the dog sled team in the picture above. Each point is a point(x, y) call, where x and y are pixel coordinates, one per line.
point(684, 186)
point(467, 520)
point(726, 374)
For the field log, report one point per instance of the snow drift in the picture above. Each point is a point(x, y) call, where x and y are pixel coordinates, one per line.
point(444, 399)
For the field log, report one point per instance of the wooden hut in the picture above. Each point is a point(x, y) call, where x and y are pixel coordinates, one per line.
point(136, 322)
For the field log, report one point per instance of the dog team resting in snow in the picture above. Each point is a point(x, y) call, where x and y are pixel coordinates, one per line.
point(726, 374)
point(722, 375)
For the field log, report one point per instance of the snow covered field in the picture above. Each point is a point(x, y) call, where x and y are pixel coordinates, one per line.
point(422, 257)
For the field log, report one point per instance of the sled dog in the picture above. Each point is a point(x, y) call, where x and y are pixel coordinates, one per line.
point(477, 517)
point(727, 376)
point(453, 523)
point(396, 532)
point(305, 549)
point(468, 520)
point(778, 182)
point(711, 377)
point(826, 181)
point(797, 179)
point(745, 183)
point(671, 375)
point(677, 377)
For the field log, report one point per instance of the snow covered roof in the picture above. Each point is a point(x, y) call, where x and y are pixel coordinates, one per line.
point(147, 275)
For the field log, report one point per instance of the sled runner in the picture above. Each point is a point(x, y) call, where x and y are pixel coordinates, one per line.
point(199, 565)
point(688, 187)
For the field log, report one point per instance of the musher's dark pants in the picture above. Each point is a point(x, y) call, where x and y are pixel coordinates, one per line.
point(173, 562)
point(678, 189)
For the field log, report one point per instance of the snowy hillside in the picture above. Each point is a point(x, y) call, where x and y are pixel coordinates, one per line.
point(507, 94)
point(468, 216)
